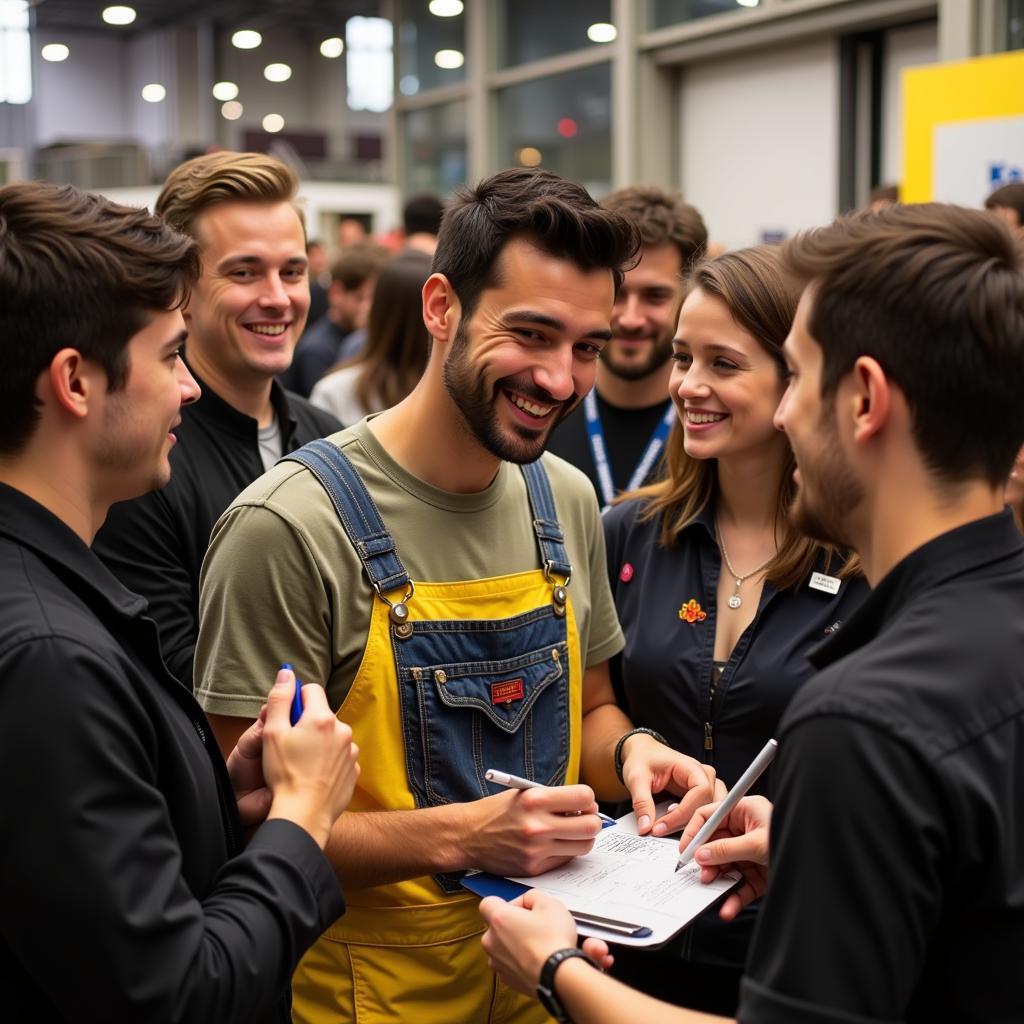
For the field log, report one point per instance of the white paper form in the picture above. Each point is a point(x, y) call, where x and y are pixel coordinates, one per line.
point(632, 878)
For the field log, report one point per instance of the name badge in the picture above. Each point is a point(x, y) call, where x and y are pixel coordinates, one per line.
point(826, 584)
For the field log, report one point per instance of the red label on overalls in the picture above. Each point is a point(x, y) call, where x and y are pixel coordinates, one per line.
point(507, 691)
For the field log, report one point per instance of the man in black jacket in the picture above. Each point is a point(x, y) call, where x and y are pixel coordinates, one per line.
point(127, 894)
point(244, 318)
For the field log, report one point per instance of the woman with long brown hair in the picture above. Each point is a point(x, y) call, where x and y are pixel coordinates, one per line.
point(396, 347)
point(719, 597)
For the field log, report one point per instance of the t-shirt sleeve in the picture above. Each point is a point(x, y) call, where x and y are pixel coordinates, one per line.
point(262, 602)
point(605, 639)
point(856, 882)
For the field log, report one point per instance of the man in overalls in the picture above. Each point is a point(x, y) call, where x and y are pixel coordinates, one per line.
point(448, 587)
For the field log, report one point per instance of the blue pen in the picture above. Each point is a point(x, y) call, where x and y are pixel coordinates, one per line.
point(296, 711)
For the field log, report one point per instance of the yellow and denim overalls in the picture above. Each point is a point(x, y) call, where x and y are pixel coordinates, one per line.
point(455, 678)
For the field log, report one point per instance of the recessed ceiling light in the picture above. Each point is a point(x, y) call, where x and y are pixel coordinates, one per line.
point(333, 47)
point(449, 59)
point(246, 39)
point(409, 85)
point(445, 8)
point(118, 15)
point(601, 32)
point(54, 52)
point(277, 72)
point(153, 93)
point(231, 111)
point(273, 123)
point(747, 3)
point(225, 91)
point(528, 156)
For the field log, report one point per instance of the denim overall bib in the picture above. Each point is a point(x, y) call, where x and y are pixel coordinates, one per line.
point(455, 678)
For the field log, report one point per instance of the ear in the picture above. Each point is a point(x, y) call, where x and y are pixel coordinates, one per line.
point(441, 308)
point(870, 399)
point(73, 381)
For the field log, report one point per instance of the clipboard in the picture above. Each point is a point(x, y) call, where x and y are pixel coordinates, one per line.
point(626, 891)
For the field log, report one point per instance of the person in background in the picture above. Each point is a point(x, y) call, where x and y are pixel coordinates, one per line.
point(128, 893)
point(896, 888)
point(1015, 490)
point(319, 279)
point(718, 595)
point(352, 231)
point(882, 196)
point(340, 333)
point(1007, 203)
point(421, 221)
point(396, 347)
point(618, 433)
point(244, 317)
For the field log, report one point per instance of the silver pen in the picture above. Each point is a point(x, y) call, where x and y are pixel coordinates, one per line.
point(732, 798)
point(516, 782)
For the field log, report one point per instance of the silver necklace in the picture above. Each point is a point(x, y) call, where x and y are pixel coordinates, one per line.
point(735, 601)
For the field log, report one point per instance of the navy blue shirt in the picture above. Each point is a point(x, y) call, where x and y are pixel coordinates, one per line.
point(663, 677)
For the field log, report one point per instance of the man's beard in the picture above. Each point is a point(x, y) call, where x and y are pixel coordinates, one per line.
point(477, 404)
point(659, 355)
point(828, 490)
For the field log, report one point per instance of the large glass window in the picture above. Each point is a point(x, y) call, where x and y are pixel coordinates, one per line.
point(671, 12)
point(528, 30)
point(563, 123)
point(1014, 25)
point(15, 56)
point(369, 70)
point(435, 148)
point(431, 45)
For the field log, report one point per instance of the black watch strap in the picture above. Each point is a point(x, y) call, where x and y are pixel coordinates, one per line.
point(546, 988)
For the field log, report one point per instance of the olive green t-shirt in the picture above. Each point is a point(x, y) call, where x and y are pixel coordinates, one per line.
point(282, 582)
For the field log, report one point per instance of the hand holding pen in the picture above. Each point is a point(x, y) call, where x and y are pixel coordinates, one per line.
point(516, 782)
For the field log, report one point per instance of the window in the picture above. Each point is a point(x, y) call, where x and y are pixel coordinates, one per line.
point(15, 53)
point(368, 63)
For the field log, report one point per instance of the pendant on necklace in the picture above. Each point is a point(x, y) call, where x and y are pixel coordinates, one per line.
point(735, 601)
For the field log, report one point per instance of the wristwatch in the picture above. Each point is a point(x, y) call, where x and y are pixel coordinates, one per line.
point(546, 988)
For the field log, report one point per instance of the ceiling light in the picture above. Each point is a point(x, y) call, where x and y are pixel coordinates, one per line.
point(231, 111)
point(747, 3)
point(409, 85)
point(333, 47)
point(54, 52)
point(602, 32)
point(225, 91)
point(153, 93)
point(277, 72)
point(246, 39)
point(529, 157)
point(273, 123)
point(449, 59)
point(445, 8)
point(118, 15)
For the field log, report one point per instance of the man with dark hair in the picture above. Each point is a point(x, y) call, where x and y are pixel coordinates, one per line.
point(127, 893)
point(617, 435)
point(421, 221)
point(341, 332)
point(244, 317)
point(1007, 203)
point(448, 586)
point(897, 880)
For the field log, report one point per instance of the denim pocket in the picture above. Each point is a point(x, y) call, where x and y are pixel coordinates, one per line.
point(479, 694)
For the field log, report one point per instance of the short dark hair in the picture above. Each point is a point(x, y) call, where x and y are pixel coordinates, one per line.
point(357, 264)
point(662, 218)
point(935, 294)
point(77, 271)
point(885, 193)
point(557, 215)
point(422, 215)
point(1011, 196)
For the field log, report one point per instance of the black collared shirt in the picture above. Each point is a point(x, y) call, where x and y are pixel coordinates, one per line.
point(124, 892)
point(897, 886)
point(665, 677)
point(155, 544)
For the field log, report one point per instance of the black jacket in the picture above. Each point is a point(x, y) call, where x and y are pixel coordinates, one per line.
point(124, 895)
point(155, 544)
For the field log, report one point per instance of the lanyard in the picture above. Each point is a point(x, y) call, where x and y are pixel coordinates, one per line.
point(600, 453)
